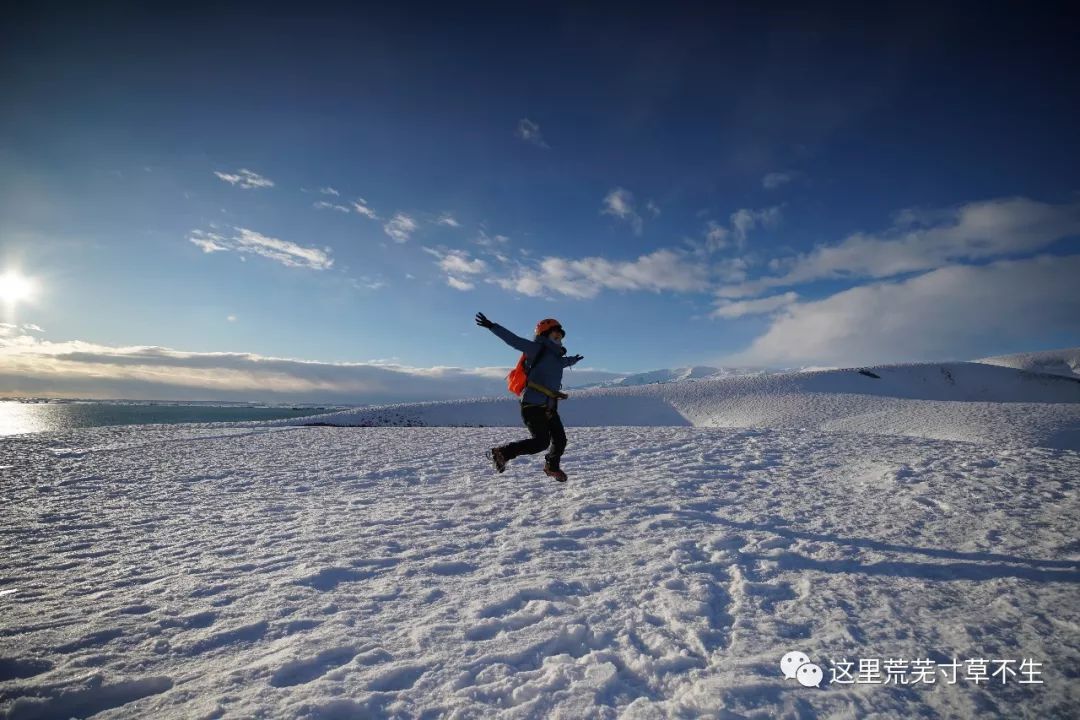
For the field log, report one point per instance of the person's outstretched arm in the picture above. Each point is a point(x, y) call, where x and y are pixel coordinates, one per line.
point(518, 343)
point(572, 360)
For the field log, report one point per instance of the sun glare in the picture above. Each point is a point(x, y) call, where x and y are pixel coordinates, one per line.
point(15, 288)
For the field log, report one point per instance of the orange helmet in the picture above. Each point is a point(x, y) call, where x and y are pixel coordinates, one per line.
point(548, 324)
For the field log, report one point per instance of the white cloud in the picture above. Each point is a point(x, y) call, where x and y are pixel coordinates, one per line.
point(30, 366)
point(32, 327)
point(774, 180)
point(457, 264)
point(653, 208)
point(245, 179)
point(745, 220)
point(662, 270)
point(329, 191)
point(400, 227)
point(921, 241)
point(742, 221)
point(529, 131)
point(459, 284)
point(460, 264)
point(448, 220)
point(619, 203)
point(361, 207)
point(208, 241)
point(738, 308)
point(486, 240)
point(247, 241)
point(231, 318)
point(323, 205)
point(716, 236)
point(958, 311)
point(368, 282)
point(731, 269)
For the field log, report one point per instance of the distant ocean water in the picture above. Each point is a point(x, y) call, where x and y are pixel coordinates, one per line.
point(27, 417)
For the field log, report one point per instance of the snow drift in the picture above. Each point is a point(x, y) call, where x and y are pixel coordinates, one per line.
point(667, 375)
point(1064, 362)
point(970, 401)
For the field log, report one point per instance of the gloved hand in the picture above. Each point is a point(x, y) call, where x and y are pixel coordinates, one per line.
point(576, 358)
point(483, 321)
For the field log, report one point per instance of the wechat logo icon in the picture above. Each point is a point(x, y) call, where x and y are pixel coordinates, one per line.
point(797, 666)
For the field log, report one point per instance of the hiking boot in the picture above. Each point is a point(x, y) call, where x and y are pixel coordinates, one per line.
point(497, 459)
point(552, 470)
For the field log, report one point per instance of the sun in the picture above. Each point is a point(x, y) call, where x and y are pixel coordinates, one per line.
point(15, 288)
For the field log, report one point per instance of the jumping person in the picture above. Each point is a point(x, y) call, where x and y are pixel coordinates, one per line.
point(544, 358)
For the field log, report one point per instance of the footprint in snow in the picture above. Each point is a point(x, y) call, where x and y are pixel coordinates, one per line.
point(92, 640)
point(20, 668)
point(452, 568)
point(400, 678)
point(306, 670)
point(329, 578)
point(90, 699)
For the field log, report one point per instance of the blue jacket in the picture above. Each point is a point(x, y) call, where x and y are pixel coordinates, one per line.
point(548, 372)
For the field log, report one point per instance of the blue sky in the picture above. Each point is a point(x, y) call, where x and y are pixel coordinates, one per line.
point(778, 189)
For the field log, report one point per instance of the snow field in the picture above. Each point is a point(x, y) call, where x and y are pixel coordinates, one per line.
point(321, 572)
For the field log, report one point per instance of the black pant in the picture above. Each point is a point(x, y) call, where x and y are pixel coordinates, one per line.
point(546, 428)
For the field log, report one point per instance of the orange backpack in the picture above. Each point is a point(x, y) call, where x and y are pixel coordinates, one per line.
point(518, 378)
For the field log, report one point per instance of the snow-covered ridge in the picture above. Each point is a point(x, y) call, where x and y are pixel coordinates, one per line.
point(968, 401)
point(1065, 362)
point(682, 374)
